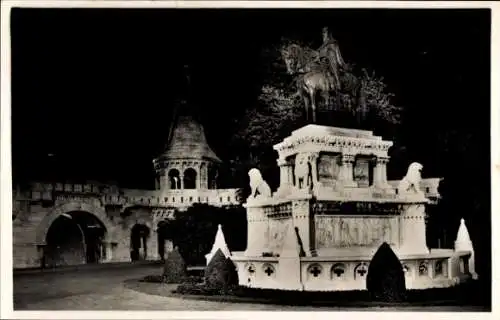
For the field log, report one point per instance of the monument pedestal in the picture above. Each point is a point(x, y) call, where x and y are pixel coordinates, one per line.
point(412, 229)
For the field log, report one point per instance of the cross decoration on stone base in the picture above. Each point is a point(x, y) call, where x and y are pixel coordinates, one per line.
point(269, 271)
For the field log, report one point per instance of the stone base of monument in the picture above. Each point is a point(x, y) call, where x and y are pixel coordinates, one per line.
point(340, 222)
point(348, 272)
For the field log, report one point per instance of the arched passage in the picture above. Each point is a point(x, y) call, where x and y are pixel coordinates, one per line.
point(165, 231)
point(190, 178)
point(74, 238)
point(139, 235)
point(72, 231)
point(174, 179)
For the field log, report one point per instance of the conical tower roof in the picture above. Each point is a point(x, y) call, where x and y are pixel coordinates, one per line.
point(186, 138)
point(188, 141)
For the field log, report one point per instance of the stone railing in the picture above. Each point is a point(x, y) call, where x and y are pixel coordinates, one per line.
point(184, 198)
point(342, 273)
point(430, 187)
point(112, 195)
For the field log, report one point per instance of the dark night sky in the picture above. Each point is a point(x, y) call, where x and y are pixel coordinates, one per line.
point(96, 87)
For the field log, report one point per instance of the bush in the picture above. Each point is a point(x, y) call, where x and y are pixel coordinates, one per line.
point(220, 274)
point(174, 269)
point(162, 279)
point(386, 280)
point(198, 289)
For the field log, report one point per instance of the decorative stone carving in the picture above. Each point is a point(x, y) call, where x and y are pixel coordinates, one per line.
point(306, 172)
point(162, 214)
point(338, 271)
point(380, 173)
point(347, 174)
point(341, 232)
point(328, 169)
point(334, 140)
point(259, 187)
point(362, 172)
point(278, 229)
point(410, 184)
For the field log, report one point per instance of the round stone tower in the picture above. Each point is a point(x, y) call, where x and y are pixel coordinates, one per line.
point(188, 162)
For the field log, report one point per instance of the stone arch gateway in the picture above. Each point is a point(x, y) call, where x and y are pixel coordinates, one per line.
point(97, 211)
point(74, 233)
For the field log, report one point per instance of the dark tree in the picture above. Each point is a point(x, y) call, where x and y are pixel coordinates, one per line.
point(386, 280)
point(174, 269)
point(196, 227)
point(220, 274)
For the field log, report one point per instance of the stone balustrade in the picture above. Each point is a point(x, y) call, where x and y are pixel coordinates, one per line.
point(438, 269)
point(112, 196)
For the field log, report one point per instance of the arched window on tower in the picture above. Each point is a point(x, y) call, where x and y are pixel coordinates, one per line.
point(190, 178)
point(174, 179)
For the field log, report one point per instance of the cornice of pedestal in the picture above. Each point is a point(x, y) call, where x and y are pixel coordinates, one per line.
point(329, 140)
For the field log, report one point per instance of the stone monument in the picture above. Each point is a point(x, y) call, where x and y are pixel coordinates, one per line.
point(335, 207)
point(339, 222)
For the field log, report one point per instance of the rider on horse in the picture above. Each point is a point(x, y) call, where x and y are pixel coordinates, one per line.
point(330, 52)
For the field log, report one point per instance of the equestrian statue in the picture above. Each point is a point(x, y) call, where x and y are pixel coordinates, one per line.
point(321, 73)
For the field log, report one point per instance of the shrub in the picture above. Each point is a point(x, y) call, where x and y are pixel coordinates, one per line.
point(386, 280)
point(220, 274)
point(174, 269)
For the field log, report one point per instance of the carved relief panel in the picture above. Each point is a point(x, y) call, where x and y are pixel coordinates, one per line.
point(342, 232)
point(328, 168)
point(276, 233)
point(362, 172)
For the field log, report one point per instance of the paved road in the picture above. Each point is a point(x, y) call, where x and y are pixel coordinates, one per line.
point(104, 289)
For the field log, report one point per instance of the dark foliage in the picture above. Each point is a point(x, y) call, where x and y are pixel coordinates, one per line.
point(162, 279)
point(469, 294)
point(220, 274)
point(194, 230)
point(174, 269)
point(386, 280)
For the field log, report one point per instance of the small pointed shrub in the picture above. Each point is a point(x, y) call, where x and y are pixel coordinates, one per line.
point(386, 280)
point(174, 269)
point(220, 273)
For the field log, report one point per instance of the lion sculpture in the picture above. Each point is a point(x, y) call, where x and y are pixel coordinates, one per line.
point(259, 187)
point(410, 184)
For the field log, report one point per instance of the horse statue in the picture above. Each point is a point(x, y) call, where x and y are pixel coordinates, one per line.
point(313, 77)
point(321, 72)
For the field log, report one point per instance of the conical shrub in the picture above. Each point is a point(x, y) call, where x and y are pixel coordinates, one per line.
point(220, 274)
point(386, 280)
point(174, 269)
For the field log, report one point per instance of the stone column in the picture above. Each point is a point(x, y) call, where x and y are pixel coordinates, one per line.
point(290, 174)
point(203, 176)
point(198, 176)
point(107, 246)
point(286, 183)
point(181, 180)
point(152, 249)
point(412, 229)
point(380, 173)
point(347, 170)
